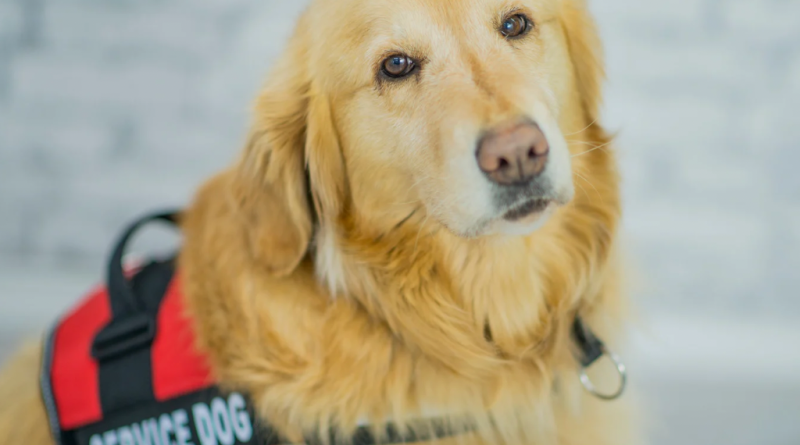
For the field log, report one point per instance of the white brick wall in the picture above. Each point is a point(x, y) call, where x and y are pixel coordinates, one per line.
point(704, 93)
point(111, 109)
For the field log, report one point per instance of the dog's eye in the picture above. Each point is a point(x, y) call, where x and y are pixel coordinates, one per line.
point(398, 66)
point(515, 26)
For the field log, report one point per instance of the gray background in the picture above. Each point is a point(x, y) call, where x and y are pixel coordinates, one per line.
point(110, 109)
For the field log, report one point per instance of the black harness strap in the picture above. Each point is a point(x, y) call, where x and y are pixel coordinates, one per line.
point(590, 346)
point(123, 347)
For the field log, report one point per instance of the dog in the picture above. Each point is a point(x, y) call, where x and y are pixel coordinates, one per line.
point(425, 203)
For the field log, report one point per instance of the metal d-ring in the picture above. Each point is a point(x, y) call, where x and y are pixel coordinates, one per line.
point(623, 378)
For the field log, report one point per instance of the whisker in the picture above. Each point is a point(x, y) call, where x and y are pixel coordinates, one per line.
point(406, 219)
point(599, 147)
point(405, 203)
point(588, 181)
point(413, 187)
point(584, 129)
point(584, 190)
point(578, 141)
point(398, 225)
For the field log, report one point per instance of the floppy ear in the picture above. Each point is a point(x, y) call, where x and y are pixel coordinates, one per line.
point(291, 145)
point(586, 54)
point(269, 181)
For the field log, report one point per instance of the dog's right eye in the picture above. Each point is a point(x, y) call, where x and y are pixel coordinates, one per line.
point(516, 26)
point(398, 66)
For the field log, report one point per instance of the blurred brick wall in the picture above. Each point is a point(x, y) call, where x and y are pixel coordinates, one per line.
point(705, 95)
point(108, 109)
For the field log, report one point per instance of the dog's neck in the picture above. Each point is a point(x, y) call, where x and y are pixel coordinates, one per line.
point(496, 298)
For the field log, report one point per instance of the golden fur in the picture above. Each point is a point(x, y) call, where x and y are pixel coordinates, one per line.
point(326, 280)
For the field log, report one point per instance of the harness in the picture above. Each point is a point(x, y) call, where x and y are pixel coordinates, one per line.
point(121, 368)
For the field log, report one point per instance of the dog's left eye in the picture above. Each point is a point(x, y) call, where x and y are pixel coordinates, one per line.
point(515, 26)
point(398, 66)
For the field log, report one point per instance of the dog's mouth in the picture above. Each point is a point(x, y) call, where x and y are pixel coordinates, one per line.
point(527, 208)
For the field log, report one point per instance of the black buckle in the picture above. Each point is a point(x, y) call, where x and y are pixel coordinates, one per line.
point(131, 327)
point(123, 335)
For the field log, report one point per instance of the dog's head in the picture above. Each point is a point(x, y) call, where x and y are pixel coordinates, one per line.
point(458, 108)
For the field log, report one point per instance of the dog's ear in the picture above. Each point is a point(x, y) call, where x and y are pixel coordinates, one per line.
point(586, 53)
point(292, 146)
point(269, 184)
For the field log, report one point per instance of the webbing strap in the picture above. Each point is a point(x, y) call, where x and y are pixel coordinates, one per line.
point(123, 347)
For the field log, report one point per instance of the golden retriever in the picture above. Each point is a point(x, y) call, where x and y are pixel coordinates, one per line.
point(425, 203)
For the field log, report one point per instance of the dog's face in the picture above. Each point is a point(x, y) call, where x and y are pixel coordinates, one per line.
point(457, 107)
point(459, 102)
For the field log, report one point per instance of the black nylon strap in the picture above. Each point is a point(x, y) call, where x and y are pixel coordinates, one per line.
point(591, 348)
point(123, 298)
point(211, 416)
point(126, 379)
point(363, 436)
point(123, 346)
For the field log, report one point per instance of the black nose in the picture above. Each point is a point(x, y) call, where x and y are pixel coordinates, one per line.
point(513, 154)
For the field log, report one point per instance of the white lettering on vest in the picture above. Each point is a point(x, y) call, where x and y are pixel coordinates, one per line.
point(240, 418)
point(203, 424)
point(110, 438)
point(222, 423)
point(125, 436)
point(147, 433)
point(182, 433)
point(219, 422)
point(165, 425)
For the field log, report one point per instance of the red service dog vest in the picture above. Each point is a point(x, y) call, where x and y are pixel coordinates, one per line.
point(121, 368)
